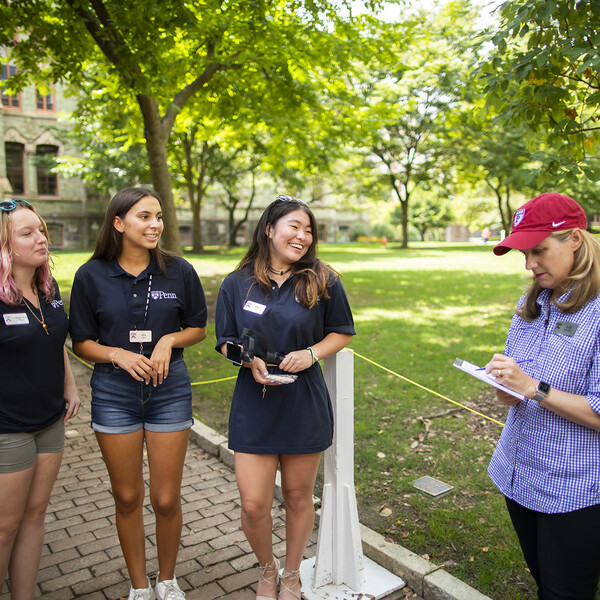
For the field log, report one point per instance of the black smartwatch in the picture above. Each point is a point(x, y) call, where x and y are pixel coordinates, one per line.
point(542, 391)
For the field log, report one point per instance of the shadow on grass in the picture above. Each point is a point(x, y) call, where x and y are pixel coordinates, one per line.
point(413, 316)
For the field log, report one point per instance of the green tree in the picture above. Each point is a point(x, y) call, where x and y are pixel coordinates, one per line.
point(152, 58)
point(196, 171)
point(426, 212)
point(545, 74)
point(238, 193)
point(105, 159)
point(407, 97)
point(485, 150)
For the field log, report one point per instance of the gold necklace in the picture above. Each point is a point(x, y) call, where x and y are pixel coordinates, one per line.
point(43, 321)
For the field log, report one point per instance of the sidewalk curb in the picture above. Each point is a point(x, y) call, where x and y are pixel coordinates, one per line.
point(424, 577)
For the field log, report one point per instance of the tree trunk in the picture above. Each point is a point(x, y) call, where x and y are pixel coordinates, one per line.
point(237, 226)
point(156, 146)
point(197, 245)
point(509, 212)
point(231, 226)
point(404, 204)
point(506, 222)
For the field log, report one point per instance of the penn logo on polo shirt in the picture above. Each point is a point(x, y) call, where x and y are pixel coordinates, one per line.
point(56, 303)
point(158, 295)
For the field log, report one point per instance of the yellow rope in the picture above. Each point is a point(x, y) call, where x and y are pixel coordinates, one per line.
point(214, 380)
point(90, 366)
point(424, 388)
point(355, 354)
point(87, 364)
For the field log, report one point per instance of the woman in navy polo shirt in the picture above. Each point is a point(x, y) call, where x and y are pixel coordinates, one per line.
point(547, 462)
point(38, 391)
point(296, 305)
point(133, 309)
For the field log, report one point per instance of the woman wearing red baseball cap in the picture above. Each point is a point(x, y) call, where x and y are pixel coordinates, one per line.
point(547, 461)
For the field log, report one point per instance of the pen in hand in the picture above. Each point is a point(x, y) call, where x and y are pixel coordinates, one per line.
point(519, 362)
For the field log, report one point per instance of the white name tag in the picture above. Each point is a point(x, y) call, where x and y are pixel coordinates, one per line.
point(255, 307)
point(16, 319)
point(140, 335)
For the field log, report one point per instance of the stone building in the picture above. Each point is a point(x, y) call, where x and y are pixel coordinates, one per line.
point(34, 130)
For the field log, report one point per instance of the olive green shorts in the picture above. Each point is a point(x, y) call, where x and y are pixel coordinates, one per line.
point(18, 451)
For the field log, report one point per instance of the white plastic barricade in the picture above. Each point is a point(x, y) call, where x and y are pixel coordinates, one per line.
point(339, 569)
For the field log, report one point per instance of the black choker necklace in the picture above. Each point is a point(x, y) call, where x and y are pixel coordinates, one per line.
point(278, 272)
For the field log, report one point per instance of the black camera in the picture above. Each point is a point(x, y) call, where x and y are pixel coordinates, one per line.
point(243, 350)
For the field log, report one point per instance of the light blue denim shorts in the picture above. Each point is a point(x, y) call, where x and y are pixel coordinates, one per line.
point(120, 404)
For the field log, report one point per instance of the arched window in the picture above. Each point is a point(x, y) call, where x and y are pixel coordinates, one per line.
point(47, 181)
point(15, 166)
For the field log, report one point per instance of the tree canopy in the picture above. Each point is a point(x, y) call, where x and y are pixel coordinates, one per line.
point(406, 98)
point(545, 74)
point(152, 58)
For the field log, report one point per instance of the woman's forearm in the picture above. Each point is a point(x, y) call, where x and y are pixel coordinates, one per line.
point(572, 407)
point(331, 344)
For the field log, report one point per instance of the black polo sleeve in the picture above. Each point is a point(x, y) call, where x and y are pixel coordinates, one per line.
point(226, 327)
point(83, 323)
point(195, 311)
point(338, 316)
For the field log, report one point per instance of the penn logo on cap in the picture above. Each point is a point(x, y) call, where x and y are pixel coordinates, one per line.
point(519, 215)
point(538, 218)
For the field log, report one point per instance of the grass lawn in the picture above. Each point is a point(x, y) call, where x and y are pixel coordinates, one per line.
point(415, 311)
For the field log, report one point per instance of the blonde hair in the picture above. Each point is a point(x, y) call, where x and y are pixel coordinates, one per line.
point(9, 292)
point(583, 280)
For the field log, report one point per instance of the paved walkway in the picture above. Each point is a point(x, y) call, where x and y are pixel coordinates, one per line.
point(81, 555)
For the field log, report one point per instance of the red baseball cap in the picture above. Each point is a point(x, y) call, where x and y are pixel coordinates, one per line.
point(537, 219)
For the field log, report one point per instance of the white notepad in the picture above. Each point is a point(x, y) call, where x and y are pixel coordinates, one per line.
point(479, 373)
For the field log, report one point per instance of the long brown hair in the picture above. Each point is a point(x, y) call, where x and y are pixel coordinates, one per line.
point(110, 241)
point(312, 276)
point(583, 280)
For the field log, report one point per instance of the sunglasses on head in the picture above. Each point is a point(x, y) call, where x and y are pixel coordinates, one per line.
point(284, 198)
point(8, 205)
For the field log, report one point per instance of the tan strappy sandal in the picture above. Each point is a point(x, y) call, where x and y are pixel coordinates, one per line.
point(267, 583)
point(290, 585)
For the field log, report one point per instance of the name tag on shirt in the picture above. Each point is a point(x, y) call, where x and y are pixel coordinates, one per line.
point(566, 328)
point(140, 335)
point(255, 307)
point(16, 319)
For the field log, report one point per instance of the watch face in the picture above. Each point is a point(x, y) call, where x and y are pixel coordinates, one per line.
point(543, 387)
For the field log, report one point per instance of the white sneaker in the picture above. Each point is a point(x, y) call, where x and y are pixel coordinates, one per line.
point(169, 590)
point(142, 593)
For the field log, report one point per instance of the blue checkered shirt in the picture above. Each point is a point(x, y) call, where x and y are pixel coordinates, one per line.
point(542, 461)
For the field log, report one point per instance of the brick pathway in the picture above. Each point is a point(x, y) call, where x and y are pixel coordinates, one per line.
point(81, 556)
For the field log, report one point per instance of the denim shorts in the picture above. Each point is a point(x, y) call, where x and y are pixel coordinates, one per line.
point(18, 451)
point(120, 404)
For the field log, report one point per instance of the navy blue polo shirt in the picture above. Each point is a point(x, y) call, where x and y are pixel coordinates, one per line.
point(32, 366)
point(295, 418)
point(107, 302)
